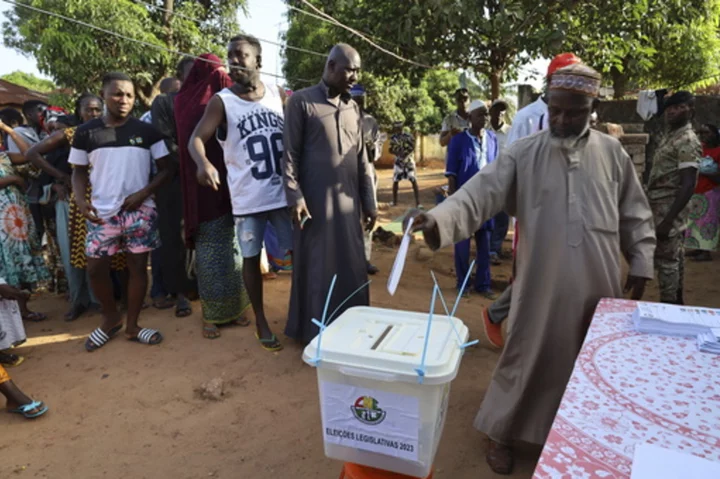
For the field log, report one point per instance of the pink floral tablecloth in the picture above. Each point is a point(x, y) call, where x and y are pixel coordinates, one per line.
point(629, 388)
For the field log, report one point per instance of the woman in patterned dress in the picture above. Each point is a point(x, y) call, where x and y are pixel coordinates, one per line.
point(21, 261)
point(703, 233)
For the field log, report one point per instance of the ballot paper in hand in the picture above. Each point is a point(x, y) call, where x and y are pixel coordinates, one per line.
point(399, 264)
point(653, 462)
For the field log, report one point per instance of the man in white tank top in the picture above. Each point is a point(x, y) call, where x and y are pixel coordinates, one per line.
point(252, 114)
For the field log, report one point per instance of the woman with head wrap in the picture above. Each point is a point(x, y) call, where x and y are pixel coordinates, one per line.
point(209, 227)
point(703, 232)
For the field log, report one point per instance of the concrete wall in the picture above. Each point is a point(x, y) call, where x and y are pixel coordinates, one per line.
point(427, 148)
point(623, 112)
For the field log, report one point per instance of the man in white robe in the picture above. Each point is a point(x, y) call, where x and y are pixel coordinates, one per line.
point(576, 193)
point(529, 120)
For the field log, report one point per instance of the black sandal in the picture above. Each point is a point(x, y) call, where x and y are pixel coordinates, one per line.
point(183, 308)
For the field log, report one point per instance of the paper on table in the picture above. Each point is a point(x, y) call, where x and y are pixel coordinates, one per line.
point(399, 263)
point(653, 462)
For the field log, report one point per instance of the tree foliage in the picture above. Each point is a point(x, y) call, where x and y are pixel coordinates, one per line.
point(30, 81)
point(638, 43)
point(647, 43)
point(421, 103)
point(77, 56)
point(489, 37)
point(392, 99)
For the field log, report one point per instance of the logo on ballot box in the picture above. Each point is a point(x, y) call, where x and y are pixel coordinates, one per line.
point(367, 411)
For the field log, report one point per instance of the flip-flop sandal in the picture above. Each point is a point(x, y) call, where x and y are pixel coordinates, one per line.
point(25, 410)
point(148, 336)
point(99, 338)
point(183, 309)
point(11, 360)
point(241, 322)
point(163, 303)
point(272, 344)
point(35, 317)
point(212, 329)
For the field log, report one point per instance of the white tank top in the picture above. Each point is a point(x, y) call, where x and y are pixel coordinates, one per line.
point(253, 151)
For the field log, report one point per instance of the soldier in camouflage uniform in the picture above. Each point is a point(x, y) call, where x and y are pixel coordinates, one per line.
point(671, 185)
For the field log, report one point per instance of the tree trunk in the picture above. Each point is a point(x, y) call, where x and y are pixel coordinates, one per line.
point(495, 77)
point(619, 79)
point(169, 7)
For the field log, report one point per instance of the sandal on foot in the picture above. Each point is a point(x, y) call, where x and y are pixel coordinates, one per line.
point(99, 338)
point(163, 303)
point(38, 406)
point(183, 309)
point(75, 312)
point(242, 322)
point(210, 331)
point(148, 336)
point(11, 360)
point(272, 344)
point(35, 317)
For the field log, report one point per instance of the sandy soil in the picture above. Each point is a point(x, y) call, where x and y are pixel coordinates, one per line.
point(132, 411)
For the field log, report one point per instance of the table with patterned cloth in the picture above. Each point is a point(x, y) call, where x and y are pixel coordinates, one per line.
point(629, 388)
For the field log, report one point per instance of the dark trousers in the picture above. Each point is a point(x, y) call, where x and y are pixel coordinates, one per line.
point(482, 261)
point(502, 222)
point(500, 309)
point(157, 290)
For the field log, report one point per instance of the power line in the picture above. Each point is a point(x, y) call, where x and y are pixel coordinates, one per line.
point(270, 42)
point(130, 39)
point(327, 18)
point(381, 40)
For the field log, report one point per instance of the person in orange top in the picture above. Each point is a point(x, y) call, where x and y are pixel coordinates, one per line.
point(703, 233)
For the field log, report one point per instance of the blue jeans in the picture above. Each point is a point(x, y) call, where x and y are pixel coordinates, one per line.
point(502, 222)
point(251, 231)
point(482, 261)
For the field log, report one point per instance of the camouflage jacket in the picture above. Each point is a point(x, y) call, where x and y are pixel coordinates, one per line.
point(679, 149)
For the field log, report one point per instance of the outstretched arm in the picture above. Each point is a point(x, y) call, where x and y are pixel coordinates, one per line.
point(35, 155)
point(17, 146)
point(458, 217)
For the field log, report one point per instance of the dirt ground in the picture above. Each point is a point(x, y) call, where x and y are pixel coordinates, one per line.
point(132, 411)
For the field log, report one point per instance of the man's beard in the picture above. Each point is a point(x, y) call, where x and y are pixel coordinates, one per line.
point(570, 142)
point(245, 78)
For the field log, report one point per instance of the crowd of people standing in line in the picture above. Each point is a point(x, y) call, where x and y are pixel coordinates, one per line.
point(221, 158)
point(225, 156)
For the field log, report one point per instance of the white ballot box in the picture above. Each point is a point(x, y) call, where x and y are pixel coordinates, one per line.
point(375, 411)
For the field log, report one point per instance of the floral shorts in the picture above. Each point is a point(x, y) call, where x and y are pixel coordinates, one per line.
point(128, 231)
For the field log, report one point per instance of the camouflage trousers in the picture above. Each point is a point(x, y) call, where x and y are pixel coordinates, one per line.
point(670, 265)
point(670, 256)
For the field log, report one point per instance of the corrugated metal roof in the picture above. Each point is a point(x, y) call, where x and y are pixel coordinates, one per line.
point(12, 94)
